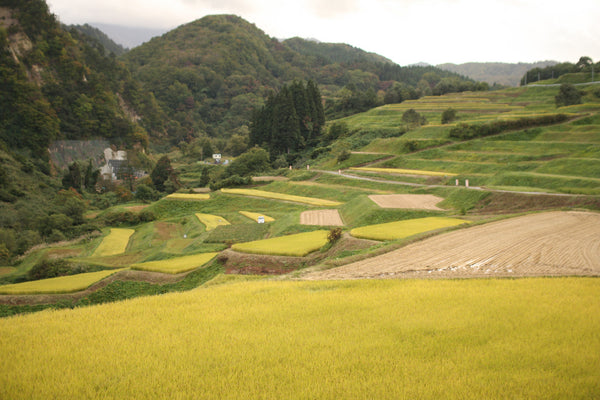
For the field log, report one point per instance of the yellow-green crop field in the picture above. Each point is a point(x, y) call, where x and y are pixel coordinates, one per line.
point(211, 221)
point(188, 196)
point(403, 171)
point(281, 196)
point(61, 284)
point(297, 245)
point(363, 339)
point(176, 265)
point(115, 243)
point(402, 229)
point(254, 216)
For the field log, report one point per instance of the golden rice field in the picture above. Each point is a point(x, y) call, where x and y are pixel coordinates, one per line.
point(61, 284)
point(254, 216)
point(281, 196)
point(211, 221)
point(115, 243)
point(402, 171)
point(188, 196)
point(363, 339)
point(176, 265)
point(402, 229)
point(297, 245)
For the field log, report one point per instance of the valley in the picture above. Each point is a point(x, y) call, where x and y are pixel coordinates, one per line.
point(315, 221)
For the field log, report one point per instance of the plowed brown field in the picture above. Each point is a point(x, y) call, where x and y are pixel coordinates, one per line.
point(418, 201)
point(552, 243)
point(321, 217)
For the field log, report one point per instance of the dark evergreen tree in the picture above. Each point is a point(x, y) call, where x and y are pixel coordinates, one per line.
point(286, 125)
point(161, 173)
point(290, 120)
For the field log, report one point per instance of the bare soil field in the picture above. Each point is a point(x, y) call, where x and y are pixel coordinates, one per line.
point(321, 217)
point(545, 244)
point(414, 201)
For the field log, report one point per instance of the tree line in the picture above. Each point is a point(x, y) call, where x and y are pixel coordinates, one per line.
point(290, 120)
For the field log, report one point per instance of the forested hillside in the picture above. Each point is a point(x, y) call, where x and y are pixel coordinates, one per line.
point(211, 74)
point(96, 34)
point(57, 85)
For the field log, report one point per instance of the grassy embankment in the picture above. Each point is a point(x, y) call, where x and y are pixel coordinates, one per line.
point(562, 157)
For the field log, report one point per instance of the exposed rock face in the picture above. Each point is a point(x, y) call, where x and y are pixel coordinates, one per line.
point(19, 44)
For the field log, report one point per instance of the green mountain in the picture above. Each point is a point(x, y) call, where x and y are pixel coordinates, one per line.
point(329, 53)
point(211, 74)
point(94, 33)
point(58, 86)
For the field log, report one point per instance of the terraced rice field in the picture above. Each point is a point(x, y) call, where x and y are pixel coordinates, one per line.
point(403, 229)
point(176, 265)
point(321, 217)
point(254, 216)
point(211, 221)
point(188, 196)
point(410, 201)
point(297, 245)
point(115, 243)
point(61, 284)
point(281, 196)
point(552, 243)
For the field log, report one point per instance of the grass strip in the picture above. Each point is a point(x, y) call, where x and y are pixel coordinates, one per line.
point(403, 171)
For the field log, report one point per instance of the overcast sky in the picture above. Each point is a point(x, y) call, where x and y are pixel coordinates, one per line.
point(405, 31)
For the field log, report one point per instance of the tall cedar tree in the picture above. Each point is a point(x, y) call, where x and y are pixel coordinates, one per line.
point(290, 120)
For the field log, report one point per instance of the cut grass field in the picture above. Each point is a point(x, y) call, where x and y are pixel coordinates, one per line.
point(282, 196)
point(404, 229)
point(115, 243)
point(254, 216)
point(176, 265)
point(211, 221)
point(297, 245)
point(61, 284)
point(365, 339)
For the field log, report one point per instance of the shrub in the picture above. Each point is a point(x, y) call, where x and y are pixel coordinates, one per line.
point(46, 268)
point(469, 131)
point(568, 95)
point(448, 115)
point(334, 235)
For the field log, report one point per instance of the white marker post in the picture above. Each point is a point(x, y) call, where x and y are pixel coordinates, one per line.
point(466, 183)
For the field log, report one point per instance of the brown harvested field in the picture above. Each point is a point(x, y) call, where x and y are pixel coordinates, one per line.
point(416, 201)
point(321, 217)
point(545, 244)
